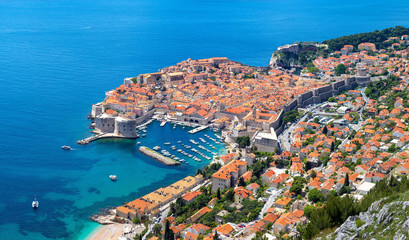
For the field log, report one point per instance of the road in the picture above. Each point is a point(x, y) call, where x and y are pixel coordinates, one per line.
point(358, 126)
point(271, 200)
point(284, 138)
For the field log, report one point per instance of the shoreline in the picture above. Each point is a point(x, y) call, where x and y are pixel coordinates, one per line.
point(107, 231)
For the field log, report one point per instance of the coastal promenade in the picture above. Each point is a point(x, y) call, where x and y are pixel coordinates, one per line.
point(158, 157)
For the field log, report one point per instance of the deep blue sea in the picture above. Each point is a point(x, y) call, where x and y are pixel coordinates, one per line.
point(57, 57)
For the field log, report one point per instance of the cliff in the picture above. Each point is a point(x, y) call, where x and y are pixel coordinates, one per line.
point(295, 55)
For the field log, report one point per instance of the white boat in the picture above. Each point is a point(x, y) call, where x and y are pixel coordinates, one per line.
point(173, 148)
point(113, 177)
point(156, 148)
point(143, 135)
point(167, 143)
point(179, 141)
point(139, 143)
point(35, 203)
point(163, 123)
point(66, 147)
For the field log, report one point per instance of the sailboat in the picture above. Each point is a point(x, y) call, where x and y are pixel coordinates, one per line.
point(35, 203)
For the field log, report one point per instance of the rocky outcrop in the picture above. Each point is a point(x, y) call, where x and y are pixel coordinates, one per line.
point(390, 221)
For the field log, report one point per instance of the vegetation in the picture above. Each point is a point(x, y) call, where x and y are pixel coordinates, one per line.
point(379, 88)
point(291, 116)
point(376, 37)
point(337, 209)
point(243, 141)
point(340, 69)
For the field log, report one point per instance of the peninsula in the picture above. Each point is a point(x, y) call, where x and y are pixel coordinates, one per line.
point(309, 147)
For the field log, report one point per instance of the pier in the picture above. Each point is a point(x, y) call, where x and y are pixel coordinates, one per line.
point(193, 131)
point(85, 141)
point(158, 157)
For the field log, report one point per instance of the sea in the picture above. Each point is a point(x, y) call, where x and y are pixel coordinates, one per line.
point(57, 57)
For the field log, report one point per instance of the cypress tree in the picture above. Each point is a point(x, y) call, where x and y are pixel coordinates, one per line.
point(218, 195)
point(216, 236)
point(346, 183)
point(242, 183)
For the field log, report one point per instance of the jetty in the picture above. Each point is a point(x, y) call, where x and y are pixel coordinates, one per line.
point(193, 131)
point(158, 157)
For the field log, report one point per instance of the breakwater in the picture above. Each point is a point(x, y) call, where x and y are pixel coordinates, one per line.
point(158, 157)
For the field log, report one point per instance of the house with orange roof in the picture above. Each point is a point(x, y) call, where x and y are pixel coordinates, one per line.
point(282, 202)
point(191, 196)
point(198, 215)
point(268, 176)
point(225, 230)
point(241, 193)
point(228, 175)
point(194, 230)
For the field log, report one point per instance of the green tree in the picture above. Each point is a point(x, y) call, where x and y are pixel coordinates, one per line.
point(313, 174)
point(315, 195)
point(216, 236)
point(241, 183)
point(308, 210)
point(340, 69)
point(325, 130)
point(346, 183)
point(332, 146)
point(218, 195)
point(169, 235)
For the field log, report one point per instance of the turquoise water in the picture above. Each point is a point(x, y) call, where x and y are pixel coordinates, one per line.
point(58, 57)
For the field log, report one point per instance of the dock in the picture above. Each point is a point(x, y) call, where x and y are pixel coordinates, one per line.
point(158, 157)
point(193, 131)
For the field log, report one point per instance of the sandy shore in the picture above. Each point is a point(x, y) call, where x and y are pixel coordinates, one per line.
point(112, 231)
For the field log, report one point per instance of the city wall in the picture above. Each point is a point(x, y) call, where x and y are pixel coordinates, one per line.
point(315, 96)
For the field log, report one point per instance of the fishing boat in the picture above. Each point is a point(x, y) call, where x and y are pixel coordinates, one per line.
point(113, 177)
point(66, 147)
point(35, 203)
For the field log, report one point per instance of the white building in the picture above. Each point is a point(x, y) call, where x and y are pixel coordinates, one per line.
point(266, 142)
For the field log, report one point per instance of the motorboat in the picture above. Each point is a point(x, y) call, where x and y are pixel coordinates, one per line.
point(167, 143)
point(35, 203)
point(66, 147)
point(156, 148)
point(113, 177)
point(143, 135)
point(139, 143)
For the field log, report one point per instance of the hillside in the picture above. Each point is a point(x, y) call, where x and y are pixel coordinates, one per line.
point(384, 219)
point(376, 37)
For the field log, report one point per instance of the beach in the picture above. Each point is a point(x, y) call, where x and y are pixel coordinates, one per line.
point(112, 231)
